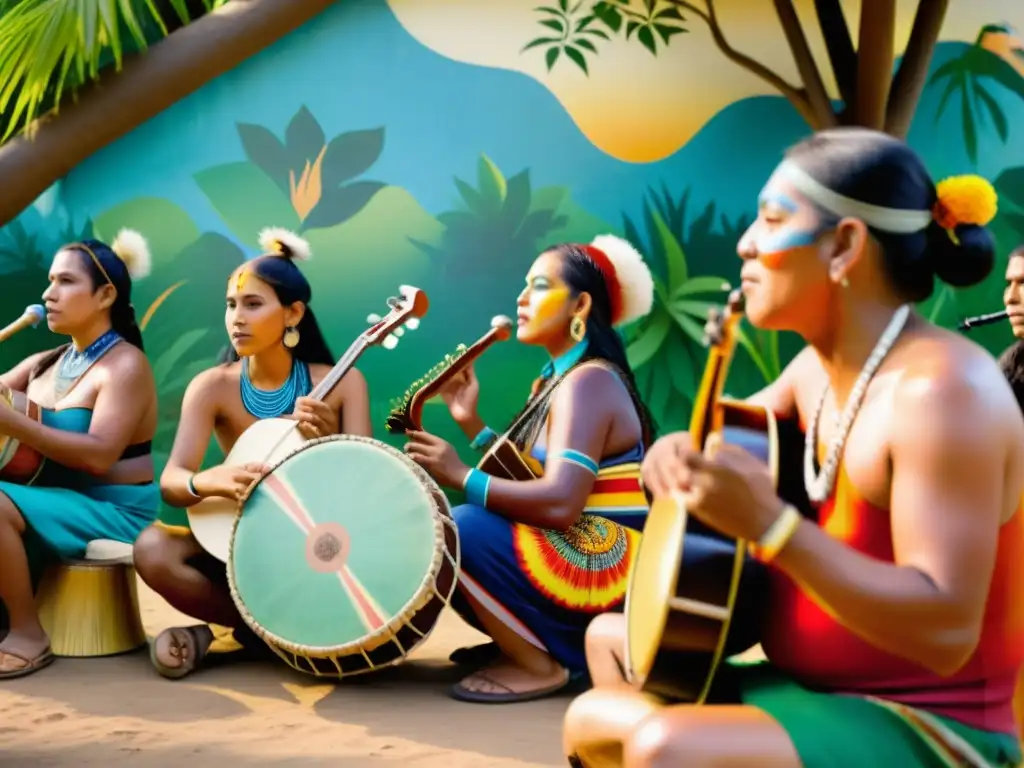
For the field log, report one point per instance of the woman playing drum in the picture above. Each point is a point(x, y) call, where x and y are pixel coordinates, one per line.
point(894, 627)
point(277, 355)
point(99, 414)
point(542, 557)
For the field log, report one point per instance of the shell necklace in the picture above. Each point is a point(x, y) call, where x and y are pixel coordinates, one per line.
point(819, 486)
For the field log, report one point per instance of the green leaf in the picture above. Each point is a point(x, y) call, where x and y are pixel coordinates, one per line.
point(168, 228)
point(577, 58)
point(168, 360)
point(264, 149)
point(554, 24)
point(649, 340)
point(303, 139)
point(646, 38)
point(340, 204)
point(610, 17)
point(631, 27)
point(582, 42)
point(701, 284)
point(552, 56)
point(997, 68)
point(563, 4)
point(491, 183)
point(470, 196)
point(552, 11)
point(517, 201)
point(675, 259)
point(995, 112)
point(967, 118)
point(665, 32)
point(682, 365)
point(350, 155)
point(693, 330)
point(1010, 186)
point(953, 67)
point(246, 200)
point(755, 355)
point(954, 83)
point(539, 41)
point(669, 13)
point(597, 33)
point(548, 198)
point(694, 308)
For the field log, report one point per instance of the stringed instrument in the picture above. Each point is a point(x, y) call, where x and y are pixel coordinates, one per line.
point(696, 596)
point(20, 463)
point(407, 414)
point(268, 441)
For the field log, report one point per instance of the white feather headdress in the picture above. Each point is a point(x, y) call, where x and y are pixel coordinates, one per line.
point(636, 284)
point(131, 248)
point(285, 243)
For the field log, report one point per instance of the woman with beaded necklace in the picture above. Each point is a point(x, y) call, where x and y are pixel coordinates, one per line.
point(277, 355)
point(894, 631)
point(99, 414)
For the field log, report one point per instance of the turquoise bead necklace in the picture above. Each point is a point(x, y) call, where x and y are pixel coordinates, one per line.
point(73, 364)
point(264, 404)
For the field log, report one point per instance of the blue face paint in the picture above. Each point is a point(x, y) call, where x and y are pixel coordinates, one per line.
point(786, 240)
point(779, 200)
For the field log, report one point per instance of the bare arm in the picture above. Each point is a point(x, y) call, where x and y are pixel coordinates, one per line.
point(17, 378)
point(195, 428)
point(948, 464)
point(125, 393)
point(780, 396)
point(582, 413)
point(355, 406)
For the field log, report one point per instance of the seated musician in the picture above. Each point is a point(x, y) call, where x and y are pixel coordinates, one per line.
point(542, 557)
point(1012, 359)
point(894, 632)
point(99, 414)
point(277, 355)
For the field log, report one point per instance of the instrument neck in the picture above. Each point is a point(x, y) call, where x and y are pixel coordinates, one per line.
point(707, 416)
point(458, 365)
point(337, 373)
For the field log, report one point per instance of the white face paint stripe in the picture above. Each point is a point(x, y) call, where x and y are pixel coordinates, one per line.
point(898, 221)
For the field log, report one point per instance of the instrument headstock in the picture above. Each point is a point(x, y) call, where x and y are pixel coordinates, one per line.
point(406, 310)
point(502, 326)
point(720, 328)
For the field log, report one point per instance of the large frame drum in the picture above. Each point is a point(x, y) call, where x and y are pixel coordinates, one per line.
point(343, 556)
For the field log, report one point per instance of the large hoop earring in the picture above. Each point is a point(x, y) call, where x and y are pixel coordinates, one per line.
point(577, 328)
point(291, 338)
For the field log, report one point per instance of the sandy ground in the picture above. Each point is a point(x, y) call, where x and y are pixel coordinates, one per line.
point(118, 711)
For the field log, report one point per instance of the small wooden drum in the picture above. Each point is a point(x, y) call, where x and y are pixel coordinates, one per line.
point(343, 556)
point(20, 463)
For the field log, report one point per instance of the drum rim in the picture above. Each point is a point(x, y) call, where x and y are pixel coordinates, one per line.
point(420, 599)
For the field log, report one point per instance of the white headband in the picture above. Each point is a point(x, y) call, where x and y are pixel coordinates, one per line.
point(898, 221)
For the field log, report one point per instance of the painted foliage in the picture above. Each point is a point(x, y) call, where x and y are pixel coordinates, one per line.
point(407, 152)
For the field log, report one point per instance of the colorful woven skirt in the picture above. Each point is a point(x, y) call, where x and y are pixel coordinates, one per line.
point(545, 585)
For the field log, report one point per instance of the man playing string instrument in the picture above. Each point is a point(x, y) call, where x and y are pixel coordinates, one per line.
point(277, 355)
point(895, 626)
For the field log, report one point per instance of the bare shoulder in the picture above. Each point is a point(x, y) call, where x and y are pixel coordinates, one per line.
point(213, 384)
point(128, 364)
point(352, 378)
point(592, 383)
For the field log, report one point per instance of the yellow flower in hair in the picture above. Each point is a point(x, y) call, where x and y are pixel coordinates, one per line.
point(965, 200)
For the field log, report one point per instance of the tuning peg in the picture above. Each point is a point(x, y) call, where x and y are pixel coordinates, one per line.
point(412, 323)
point(399, 331)
point(373, 318)
point(390, 341)
point(392, 302)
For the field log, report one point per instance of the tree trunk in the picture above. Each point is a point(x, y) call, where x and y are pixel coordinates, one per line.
point(817, 95)
point(875, 46)
point(839, 44)
point(150, 83)
point(913, 72)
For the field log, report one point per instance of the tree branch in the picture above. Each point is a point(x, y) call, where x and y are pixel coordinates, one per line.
point(876, 42)
point(147, 85)
point(839, 45)
point(817, 95)
point(908, 84)
point(795, 96)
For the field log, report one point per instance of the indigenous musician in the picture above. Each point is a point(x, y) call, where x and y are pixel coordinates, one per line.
point(1012, 359)
point(538, 562)
point(894, 631)
point(99, 412)
point(277, 355)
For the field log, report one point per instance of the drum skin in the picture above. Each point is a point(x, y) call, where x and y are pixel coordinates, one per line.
point(343, 556)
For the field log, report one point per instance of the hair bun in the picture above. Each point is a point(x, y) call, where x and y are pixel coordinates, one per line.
point(131, 248)
point(962, 256)
point(636, 285)
point(283, 242)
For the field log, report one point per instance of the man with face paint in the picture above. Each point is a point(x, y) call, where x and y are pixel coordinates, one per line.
point(895, 627)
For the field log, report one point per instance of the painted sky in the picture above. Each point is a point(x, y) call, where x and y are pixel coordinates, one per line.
point(642, 108)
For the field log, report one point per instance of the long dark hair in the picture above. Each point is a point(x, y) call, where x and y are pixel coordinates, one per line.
point(581, 274)
point(122, 312)
point(290, 285)
point(876, 168)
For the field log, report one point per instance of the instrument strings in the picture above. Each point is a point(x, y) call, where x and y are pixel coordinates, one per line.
point(399, 404)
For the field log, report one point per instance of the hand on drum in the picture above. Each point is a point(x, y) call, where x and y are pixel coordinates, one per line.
point(229, 482)
point(726, 487)
point(461, 395)
point(316, 418)
point(437, 456)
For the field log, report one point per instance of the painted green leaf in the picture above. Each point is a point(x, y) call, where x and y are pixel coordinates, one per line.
point(341, 204)
point(950, 69)
point(582, 42)
point(563, 4)
point(597, 33)
point(517, 201)
point(665, 32)
point(491, 182)
point(755, 354)
point(350, 155)
point(956, 81)
point(967, 119)
point(649, 339)
point(539, 41)
point(303, 138)
point(631, 27)
point(694, 308)
point(693, 329)
point(997, 68)
point(675, 259)
point(646, 38)
point(682, 364)
point(246, 200)
point(554, 24)
point(1010, 186)
point(548, 198)
point(167, 228)
point(265, 150)
point(995, 112)
point(577, 58)
point(551, 57)
point(168, 360)
point(469, 195)
point(669, 13)
point(552, 11)
point(585, 22)
point(701, 284)
point(609, 16)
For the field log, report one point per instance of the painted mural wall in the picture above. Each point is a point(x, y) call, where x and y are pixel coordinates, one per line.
point(445, 144)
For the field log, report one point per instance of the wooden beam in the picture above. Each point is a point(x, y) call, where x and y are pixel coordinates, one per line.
point(875, 56)
point(151, 82)
point(910, 79)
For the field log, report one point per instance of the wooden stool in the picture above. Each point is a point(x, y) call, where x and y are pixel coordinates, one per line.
point(90, 607)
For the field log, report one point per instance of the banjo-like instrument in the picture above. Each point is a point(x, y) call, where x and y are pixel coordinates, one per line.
point(268, 441)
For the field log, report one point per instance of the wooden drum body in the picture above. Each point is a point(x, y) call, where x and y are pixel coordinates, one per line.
point(20, 463)
point(343, 556)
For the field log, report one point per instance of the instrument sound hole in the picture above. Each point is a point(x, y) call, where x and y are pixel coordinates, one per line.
point(326, 547)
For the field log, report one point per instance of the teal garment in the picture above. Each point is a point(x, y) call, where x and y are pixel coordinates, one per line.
point(65, 509)
point(840, 731)
point(565, 361)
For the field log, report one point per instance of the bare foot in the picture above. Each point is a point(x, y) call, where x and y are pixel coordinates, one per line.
point(507, 682)
point(177, 651)
point(23, 653)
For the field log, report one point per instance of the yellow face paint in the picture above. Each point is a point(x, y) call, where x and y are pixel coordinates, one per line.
point(549, 303)
point(241, 278)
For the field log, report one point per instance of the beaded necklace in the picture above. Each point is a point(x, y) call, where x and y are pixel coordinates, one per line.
point(269, 404)
point(73, 364)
